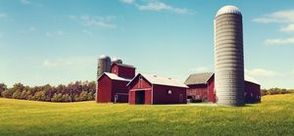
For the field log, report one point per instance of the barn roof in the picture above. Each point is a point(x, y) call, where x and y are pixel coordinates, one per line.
point(198, 78)
point(159, 80)
point(114, 77)
point(123, 65)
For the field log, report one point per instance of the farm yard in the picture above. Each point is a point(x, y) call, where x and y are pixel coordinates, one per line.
point(274, 116)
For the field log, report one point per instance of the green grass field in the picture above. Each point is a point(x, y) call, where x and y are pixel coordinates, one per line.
point(274, 116)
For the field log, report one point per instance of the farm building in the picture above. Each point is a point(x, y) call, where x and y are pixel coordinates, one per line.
point(201, 88)
point(152, 89)
point(123, 70)
point(112, 87)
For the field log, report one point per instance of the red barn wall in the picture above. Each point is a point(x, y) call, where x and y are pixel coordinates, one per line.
point(211, 92)
point(140, 85)
point(252, 92)
point(125, 72)
point(197, 92)
point(120, 90)
point(104, 90)
point(161, 96)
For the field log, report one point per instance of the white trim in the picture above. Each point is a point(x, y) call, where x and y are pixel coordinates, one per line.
point(132, 90)
point(152, 88)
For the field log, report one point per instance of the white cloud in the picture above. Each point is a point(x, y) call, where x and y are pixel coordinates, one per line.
point(260, 72)
point(31, 3)
point(156, 5)
point(285, 16)
point(288, 28)
point(286, 19)
point(280, 41)
point(95, 21)
point(128, 1)
point(69, 62)
point(250, 78)
point(202, 69)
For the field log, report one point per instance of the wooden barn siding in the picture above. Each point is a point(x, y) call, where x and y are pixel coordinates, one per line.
point(211, 92)
point(104, 90)
point(139, 85)
point(114, 69)
point(198, 90)
point(252, 92)
point(161, 96)
point(124, 72)
point(119, 88)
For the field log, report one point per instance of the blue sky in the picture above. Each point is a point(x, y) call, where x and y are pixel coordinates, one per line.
point(59, 41)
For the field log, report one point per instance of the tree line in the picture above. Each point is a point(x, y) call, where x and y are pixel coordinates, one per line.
point(273, 91)
point(73, 92)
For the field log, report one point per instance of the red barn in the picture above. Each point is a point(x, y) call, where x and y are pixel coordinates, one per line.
point(201, 88)
point(152, 89)
point(252, 92)
point(112, 87)
point(123, 70)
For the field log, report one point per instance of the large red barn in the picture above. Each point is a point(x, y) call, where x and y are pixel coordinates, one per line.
point(152, 89)
point(112, 87)
point(201, 88)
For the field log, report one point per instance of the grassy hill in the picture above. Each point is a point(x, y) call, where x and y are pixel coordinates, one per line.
point(274, 116)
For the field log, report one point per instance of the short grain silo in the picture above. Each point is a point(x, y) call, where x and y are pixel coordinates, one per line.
point(104, 64)
point(117, 60)
point(228, 52)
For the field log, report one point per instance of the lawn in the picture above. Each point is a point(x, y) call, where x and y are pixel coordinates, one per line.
point(274, 116)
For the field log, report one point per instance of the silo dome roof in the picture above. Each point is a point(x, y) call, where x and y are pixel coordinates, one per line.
point(103, 57)
point(229, 9)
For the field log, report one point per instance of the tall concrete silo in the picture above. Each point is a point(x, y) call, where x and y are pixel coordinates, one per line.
point(228, 52)
point(104, 64)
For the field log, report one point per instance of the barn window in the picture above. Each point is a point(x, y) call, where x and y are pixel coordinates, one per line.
point(140, 77)
point(169, 92)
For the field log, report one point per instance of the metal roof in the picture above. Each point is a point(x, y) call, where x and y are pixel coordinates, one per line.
point(103, 56)
point(114, 77)
point(229, 9)
point(124, 65)
point(159, 80)
point(198, 78)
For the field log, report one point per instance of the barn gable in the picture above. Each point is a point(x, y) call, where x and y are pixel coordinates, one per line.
point(158, 80)
point(112, 88)
point(199, 78)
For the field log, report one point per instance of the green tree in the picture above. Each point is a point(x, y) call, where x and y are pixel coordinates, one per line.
point(57, 97)
point(3, 88)
point(16, 94)
point(40, 96)
point(83, 96)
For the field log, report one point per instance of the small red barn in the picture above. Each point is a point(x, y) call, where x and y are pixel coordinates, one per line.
point(112, 87)
point(152, 89)
point(201, 88)
point(252, 92)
